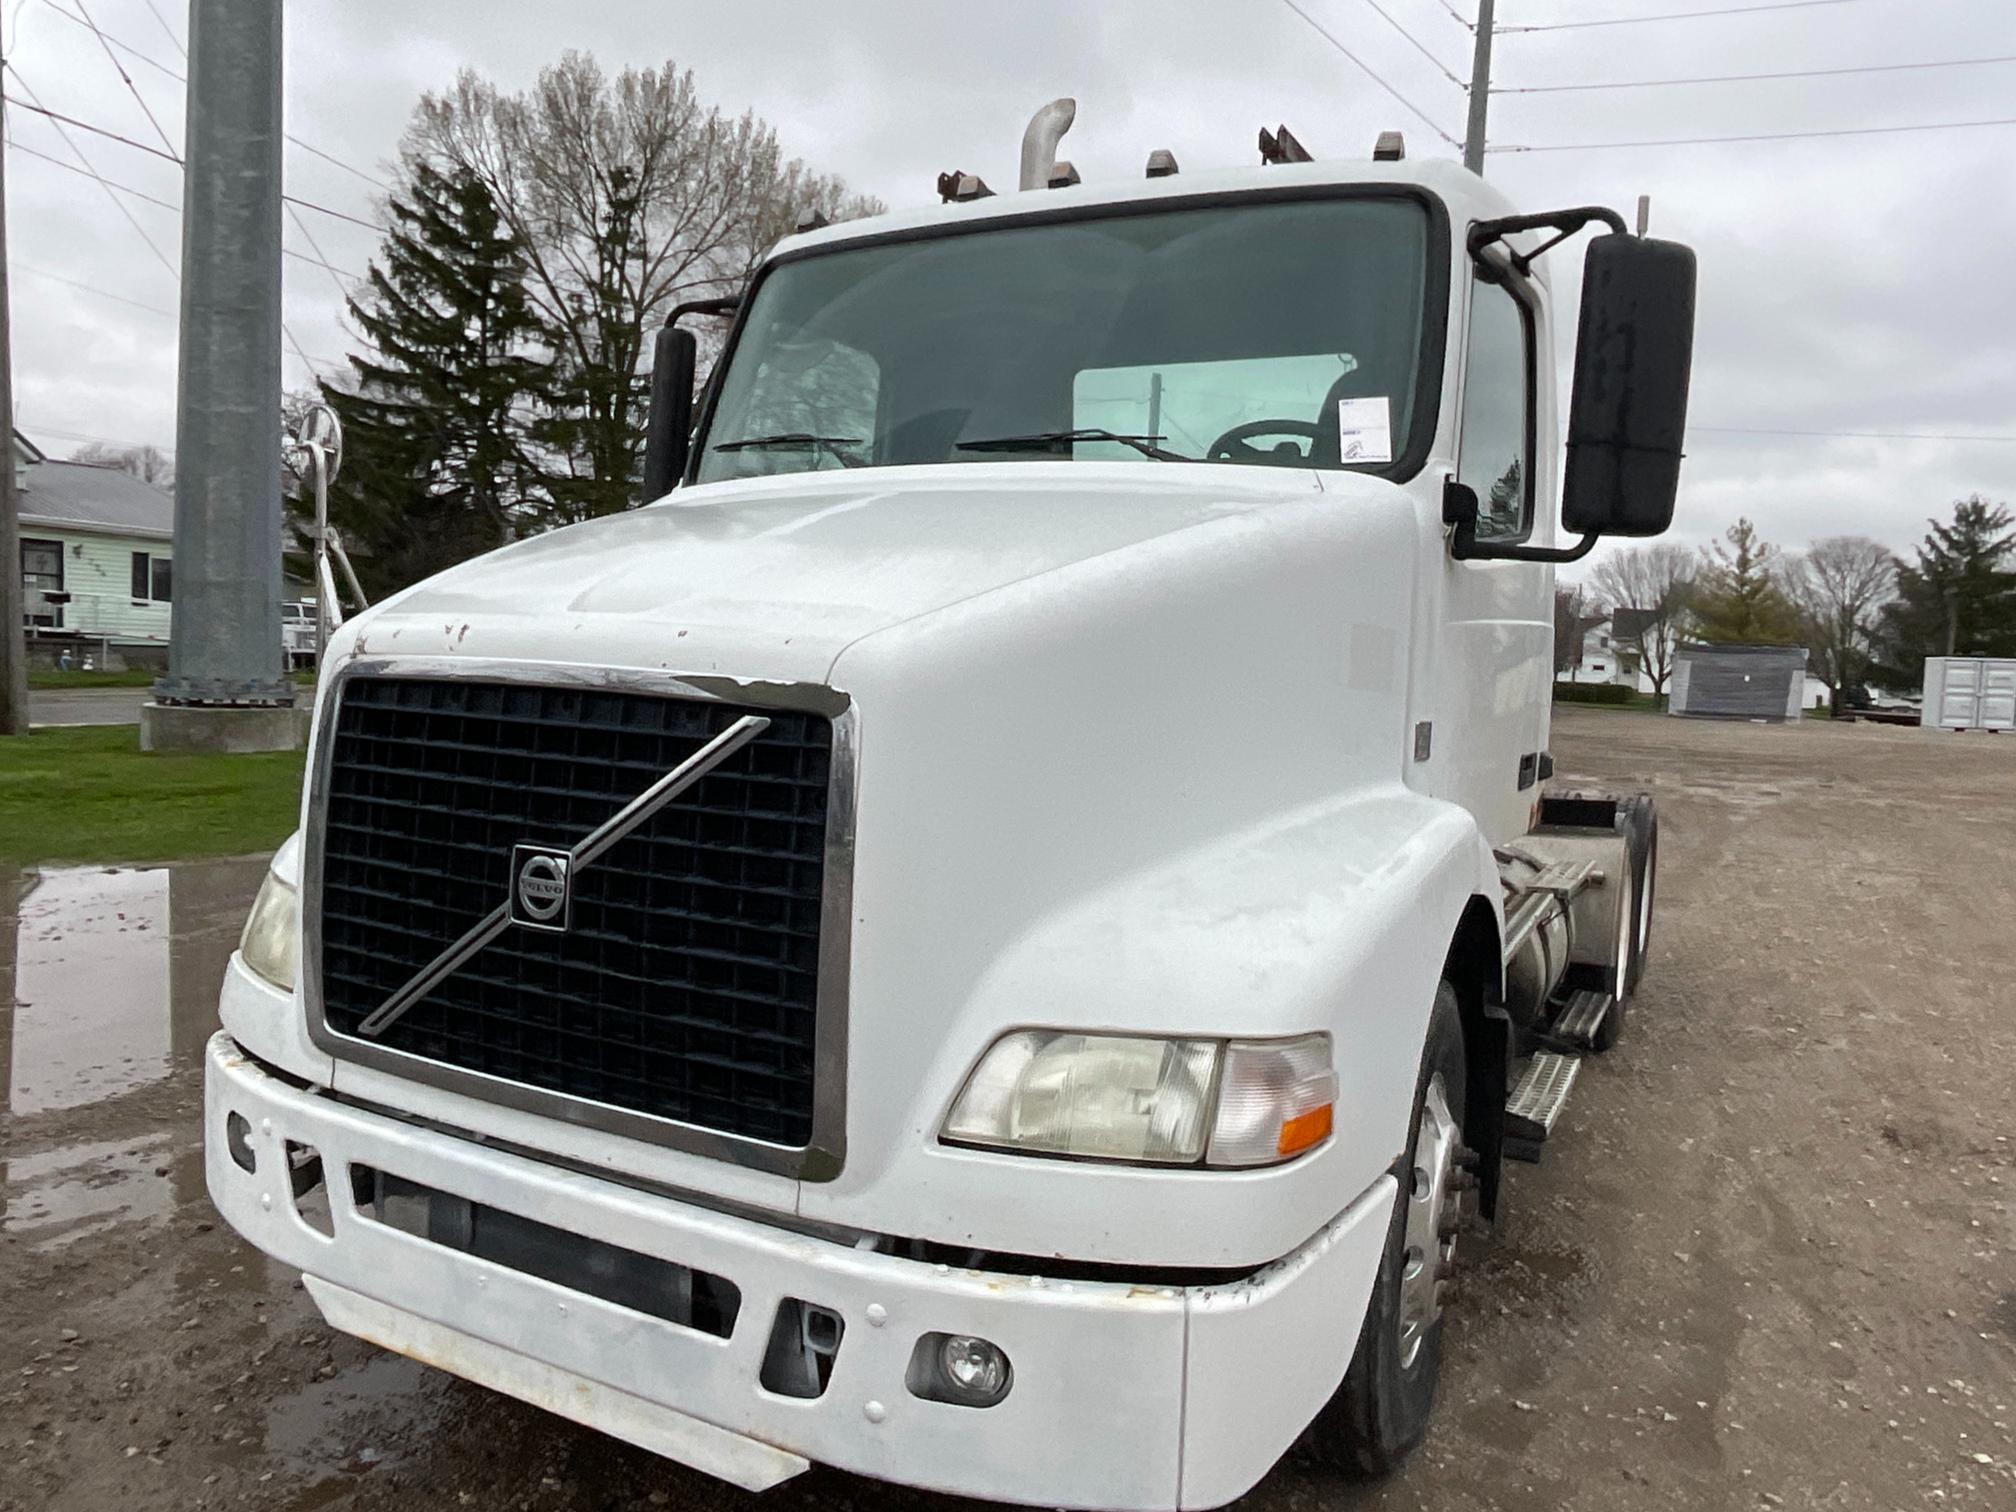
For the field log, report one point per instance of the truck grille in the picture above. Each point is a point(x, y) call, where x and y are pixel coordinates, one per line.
point(684, 989)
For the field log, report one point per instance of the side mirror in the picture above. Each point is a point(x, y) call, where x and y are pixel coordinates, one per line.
point(669, 431)
point(1627, 419)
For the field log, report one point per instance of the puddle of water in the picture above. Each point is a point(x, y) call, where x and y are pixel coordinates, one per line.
point(85, 1189)
point(369, 1416)
point(90, 987)
point(116, 972)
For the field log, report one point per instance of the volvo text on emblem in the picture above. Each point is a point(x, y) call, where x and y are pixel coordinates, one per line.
point(542, 894)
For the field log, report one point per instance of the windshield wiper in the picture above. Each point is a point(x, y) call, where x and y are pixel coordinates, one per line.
point(796, 441)
point(1058, 440)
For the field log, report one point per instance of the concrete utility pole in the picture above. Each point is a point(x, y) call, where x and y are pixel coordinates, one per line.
point(13, 640)
point(1480, 87)
point(225, 689)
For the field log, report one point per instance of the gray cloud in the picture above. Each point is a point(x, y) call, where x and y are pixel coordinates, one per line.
point(1848, 284)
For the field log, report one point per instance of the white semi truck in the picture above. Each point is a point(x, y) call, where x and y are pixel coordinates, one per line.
point(997, 934)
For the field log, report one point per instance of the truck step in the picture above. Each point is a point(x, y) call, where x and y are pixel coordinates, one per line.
point(1536, 1103)
point(1581, 1017)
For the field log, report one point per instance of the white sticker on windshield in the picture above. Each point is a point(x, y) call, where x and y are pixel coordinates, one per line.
point(1364, 430)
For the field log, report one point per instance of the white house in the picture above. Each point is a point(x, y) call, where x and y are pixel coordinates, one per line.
point(97, 549)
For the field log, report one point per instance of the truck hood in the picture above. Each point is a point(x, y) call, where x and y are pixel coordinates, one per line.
point(771, 579)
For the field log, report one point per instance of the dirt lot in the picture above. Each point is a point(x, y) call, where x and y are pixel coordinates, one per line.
point(1770, 1260)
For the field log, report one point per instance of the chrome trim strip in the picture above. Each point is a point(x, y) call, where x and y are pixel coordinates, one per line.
point(584, 855)
point(822, 1157)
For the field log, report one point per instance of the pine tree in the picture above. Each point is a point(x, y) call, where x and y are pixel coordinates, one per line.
point(1740, 600)
point(1959, 597)
point(436, 467)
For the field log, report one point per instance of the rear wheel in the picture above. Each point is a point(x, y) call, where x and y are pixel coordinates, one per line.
point(1380, 1412)
point(1640, 824)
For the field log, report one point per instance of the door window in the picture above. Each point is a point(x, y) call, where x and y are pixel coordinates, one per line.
point(1497, 445)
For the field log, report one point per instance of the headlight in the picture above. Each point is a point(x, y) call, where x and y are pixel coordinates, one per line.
point(268, 942)
point(1153, 1101)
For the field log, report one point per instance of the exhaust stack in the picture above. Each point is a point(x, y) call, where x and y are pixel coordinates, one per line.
point(1039, 142)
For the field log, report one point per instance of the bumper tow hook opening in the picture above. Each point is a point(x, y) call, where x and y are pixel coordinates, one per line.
point(238, 1140)
point(804, 1342)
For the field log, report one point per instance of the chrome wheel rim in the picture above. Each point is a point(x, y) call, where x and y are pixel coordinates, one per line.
point(1645, 899)
point(1627, 936)
point(1433, 1203)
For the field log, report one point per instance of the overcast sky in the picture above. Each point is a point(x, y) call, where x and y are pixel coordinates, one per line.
point(1855, 283)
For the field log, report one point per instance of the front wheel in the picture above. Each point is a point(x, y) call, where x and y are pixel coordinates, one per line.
point(1380, 1412)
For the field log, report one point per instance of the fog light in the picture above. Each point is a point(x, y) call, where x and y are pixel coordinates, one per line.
point(973, 1367)
point(960, 1369)
point(238, 1140)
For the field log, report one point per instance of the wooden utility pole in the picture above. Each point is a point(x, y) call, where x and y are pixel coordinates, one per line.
point(1480, 87)
point(13, 639)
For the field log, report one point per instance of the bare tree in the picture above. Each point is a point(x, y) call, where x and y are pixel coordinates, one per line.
point(149, 464)
point(1648, 588)
point(630, 195)
point(1839, 588)
point(1575, 614)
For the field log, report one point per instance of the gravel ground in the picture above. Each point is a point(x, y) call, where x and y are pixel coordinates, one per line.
point(1769, 1261)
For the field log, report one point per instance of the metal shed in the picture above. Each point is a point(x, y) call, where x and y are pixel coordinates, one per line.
point(1764, 683)
point(1969, 693)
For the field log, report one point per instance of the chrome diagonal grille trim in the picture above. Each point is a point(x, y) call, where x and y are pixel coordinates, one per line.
point(585, 853)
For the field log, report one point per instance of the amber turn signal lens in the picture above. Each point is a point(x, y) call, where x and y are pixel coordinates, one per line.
point(1305, 1131)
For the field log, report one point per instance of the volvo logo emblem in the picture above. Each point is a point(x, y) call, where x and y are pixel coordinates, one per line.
point(542, 894)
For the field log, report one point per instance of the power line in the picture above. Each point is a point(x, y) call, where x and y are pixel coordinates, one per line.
point(332, 214)
point(84, 158)
point(18, 267)
point(286, 330)
point(124, 77)
point(1850, 435)
point(28, 426)
point(180, 78)
point(302, 226)
point(1693, 15)
point(1368, 71)
point(1800, 73)
point(347, 168)
point(320, 260)
point(126, 141)
point(174, 41)
point(1762, 136)
point(1457, 16)
point(126, 189)
point(1412, 41)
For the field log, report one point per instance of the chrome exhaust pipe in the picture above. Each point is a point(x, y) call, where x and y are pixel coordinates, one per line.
point(1039, 142)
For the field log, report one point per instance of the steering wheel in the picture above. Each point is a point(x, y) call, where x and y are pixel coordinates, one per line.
point(1232, 447)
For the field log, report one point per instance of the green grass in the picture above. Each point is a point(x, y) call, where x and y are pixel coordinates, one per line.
point(135, 677)
point(90, 795)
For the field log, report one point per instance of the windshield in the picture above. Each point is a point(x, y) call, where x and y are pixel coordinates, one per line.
point(1282, 333)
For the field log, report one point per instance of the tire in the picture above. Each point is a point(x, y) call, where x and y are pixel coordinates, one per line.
point(1639, 821)
point(1379, 1414)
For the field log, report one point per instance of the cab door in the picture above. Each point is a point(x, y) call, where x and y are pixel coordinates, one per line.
point(1492, 674)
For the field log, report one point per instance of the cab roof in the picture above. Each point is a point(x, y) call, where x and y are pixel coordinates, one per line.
point(1466, 196)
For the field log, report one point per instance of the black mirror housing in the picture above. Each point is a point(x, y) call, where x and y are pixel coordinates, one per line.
point(669, 431)
point(1627, 419)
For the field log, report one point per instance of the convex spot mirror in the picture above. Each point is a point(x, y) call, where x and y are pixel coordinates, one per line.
point(1627, 419)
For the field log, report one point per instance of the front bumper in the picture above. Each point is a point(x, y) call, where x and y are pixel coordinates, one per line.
point(1124, 1396)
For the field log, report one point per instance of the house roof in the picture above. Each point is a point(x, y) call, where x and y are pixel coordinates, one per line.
point(84, 496)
